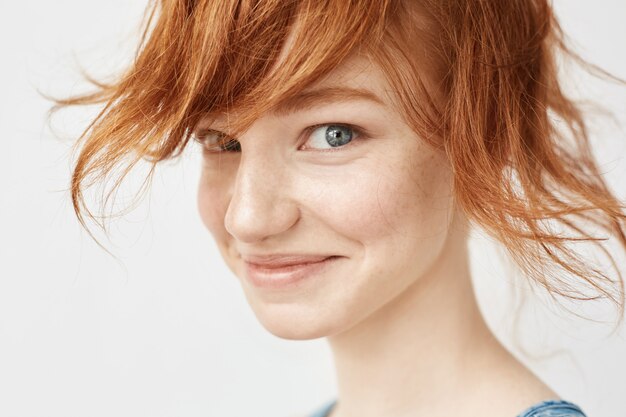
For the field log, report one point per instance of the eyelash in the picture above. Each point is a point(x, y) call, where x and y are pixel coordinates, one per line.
point(359, 134)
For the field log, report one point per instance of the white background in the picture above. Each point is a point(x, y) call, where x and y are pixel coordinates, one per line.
point(165, 330)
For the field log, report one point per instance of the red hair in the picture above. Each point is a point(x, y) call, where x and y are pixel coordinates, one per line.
point(475, 78)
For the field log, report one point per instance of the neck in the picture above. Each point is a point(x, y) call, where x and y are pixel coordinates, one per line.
point(417, 351)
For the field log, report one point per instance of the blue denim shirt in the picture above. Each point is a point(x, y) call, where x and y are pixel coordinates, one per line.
point(548, 408)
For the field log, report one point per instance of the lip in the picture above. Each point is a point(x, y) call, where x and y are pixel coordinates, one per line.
point(282, 271)
point(282, 260)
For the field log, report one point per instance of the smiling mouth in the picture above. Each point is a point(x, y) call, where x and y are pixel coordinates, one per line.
point(285, 271)
point(281, 261)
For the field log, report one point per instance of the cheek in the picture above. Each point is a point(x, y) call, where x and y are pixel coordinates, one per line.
point(390, 205)
point(212, 204)
point(394, 213)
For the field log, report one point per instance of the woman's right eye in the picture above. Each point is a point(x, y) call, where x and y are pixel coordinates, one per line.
point(213, 141)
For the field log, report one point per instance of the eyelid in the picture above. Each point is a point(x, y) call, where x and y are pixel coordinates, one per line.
point(198, 133)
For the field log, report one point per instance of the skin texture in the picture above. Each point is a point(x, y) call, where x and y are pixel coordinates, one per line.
point(397, 308)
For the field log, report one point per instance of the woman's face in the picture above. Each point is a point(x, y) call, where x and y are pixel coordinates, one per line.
point(336, 179)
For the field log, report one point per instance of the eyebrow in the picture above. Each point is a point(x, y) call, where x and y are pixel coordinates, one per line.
point(314, 98)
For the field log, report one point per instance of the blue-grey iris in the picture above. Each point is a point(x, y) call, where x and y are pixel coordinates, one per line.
point(338, 135)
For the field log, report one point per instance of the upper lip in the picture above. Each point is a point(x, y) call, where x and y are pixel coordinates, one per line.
point(282, 260)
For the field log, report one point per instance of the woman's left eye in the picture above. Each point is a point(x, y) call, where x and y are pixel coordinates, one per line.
point(330, 136)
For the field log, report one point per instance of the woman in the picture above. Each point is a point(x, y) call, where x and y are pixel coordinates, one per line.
point(348, 147)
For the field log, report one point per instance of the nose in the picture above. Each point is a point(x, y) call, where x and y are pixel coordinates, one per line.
point(260, 204)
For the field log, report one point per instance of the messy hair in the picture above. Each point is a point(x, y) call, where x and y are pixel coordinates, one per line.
point(476, 79)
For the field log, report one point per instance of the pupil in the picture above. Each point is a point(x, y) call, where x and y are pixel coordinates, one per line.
point(338, 135)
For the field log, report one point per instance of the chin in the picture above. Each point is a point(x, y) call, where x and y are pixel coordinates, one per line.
point(294, 321)
point(294, 331)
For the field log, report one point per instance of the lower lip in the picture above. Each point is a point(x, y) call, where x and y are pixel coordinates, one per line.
point(289, 276)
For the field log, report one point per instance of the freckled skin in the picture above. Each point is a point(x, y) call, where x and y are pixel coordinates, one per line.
point(398, 308)
point(385, 205)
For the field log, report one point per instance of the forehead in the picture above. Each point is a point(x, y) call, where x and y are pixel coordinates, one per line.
point(357, 78)
point(357, 71)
